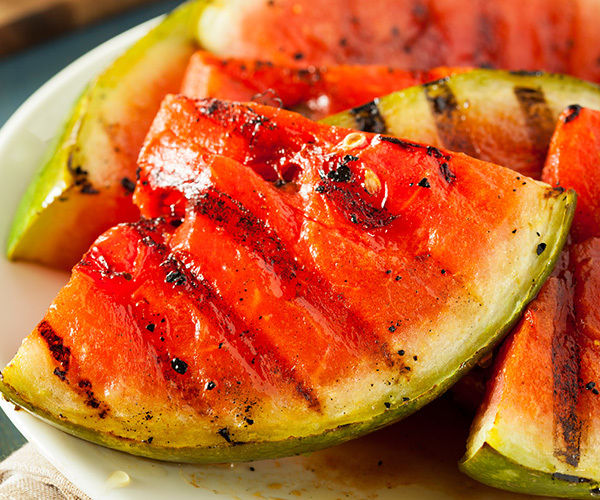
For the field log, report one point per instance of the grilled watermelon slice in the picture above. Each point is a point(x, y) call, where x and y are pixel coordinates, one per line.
point(545, 35)
point(497, 116)
point(313, 91)
point(537, 429)
point(86, 184)
point(573, 161)
point(324, 296)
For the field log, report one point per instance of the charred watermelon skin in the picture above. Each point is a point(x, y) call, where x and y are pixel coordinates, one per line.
point(496, 116)
point(314, 409)
point(86, 182)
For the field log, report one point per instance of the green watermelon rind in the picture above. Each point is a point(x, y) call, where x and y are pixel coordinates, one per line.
point(487, 465)
point(42, 218)
point(559, 222)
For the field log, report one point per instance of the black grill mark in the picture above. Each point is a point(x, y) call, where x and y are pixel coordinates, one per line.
point(451, 128)
point(267, 362)
point(128, 184)
point(252, 233)
point(539, 120)
point(566, 360)
point(526, 72)
point(80, 177)
point(368, 118)
point(569, 478)
point(58, 350)
point(224, 433)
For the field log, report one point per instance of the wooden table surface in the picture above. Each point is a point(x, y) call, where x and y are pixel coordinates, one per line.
point(22, 73)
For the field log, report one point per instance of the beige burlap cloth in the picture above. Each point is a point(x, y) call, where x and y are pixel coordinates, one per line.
point(27, 475)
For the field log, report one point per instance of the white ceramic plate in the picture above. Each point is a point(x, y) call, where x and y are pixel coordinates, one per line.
point(413, 459)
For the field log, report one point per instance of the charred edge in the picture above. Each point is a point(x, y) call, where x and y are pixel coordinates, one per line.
point(432, 151)
point(526, 72)
point(128, 184)
point(211, 106)
point(539, 120)
point(368, 118)
point(447, 174)
point(58, 350)
point(448, 118)
point(80, 177)
point(224, 433)
point(404, 144)
point(354, 207)
point(253, 234)
point(342, 173)
point(566, 361)
point(86, 388)
point(244, 117)
point(570, 479)
point(573, 113)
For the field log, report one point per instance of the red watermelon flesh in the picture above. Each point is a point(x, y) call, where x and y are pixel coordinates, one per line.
point(312, 155)
point(542, 406)
point(294, 285)
point(314, 91)
point(574, 162)
point(553, 35)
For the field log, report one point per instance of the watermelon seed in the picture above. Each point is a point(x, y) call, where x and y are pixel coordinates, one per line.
point(178, 365)
point(540, 248)
point(424, 183)
point(372, 184)
point(353, 140)
point(210, 386)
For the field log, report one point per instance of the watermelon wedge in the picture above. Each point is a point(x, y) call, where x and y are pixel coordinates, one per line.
point(545, 35)
point(573, 162)
point(293, 285)
point(86, 182)
point(313, 91)
point(497, 116)
point(537, 430)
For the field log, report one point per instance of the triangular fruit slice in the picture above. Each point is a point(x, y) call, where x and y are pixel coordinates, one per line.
point(573, 162)
point(86, 183)
point(503, 117)
point(260, 317)
point(511, 34)
point(537, 431)
point(313, 91)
